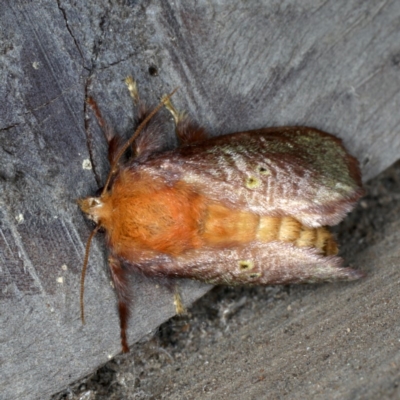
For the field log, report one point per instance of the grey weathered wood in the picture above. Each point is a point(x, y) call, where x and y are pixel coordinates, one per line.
point(239, 66)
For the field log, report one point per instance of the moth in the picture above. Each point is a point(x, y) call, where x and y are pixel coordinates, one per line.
point(248, 208)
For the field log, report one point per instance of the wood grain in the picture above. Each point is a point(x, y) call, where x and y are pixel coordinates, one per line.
point(239, 66)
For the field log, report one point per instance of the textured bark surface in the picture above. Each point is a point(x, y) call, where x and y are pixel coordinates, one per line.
point(239, 66)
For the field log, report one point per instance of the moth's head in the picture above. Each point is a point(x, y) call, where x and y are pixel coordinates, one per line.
point(92, 207)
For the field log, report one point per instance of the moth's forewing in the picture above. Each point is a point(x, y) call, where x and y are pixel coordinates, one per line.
point(288, 171)
point(274, 263)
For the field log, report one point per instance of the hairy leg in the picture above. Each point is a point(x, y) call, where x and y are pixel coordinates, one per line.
point(152, 137)
point(179, 306)
point(187, 130)
point(114, 141)
point(120, 279)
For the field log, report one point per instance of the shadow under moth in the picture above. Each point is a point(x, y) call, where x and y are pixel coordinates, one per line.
point(249, 208)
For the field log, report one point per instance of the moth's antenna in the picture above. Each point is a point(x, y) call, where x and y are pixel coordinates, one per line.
point(85, 263)
point(135, 135)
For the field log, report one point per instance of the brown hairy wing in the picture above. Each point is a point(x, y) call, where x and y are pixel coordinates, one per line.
point(273, 263)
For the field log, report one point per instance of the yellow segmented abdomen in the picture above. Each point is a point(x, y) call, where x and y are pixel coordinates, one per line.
point(223, 226)
point(289, 229)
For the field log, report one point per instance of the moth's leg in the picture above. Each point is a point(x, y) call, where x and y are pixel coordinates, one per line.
point(173, 287)
point(120, 279)
point(140, 107)
point(114, 141)
point(187, 130)
point(179, 306)
point(133, 90)
point(151, 138)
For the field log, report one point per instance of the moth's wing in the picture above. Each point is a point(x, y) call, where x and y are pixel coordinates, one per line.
point(273, 263)
point(292, 171)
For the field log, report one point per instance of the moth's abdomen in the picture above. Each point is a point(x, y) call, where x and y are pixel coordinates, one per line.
point(288, 229)
point(224, 227)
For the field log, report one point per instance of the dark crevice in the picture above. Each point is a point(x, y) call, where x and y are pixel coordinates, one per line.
point(89, 139)
point(98, 43)
point(96, 51)
point(6, 128)
point(69, 29)
point(91, 71)
point(117, 62)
